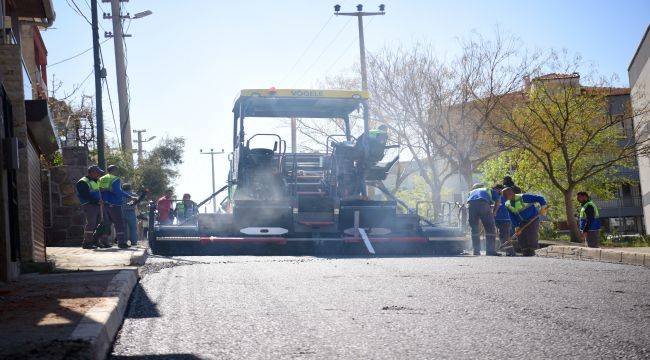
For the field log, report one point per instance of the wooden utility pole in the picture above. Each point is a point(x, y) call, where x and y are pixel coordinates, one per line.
point(120, 73)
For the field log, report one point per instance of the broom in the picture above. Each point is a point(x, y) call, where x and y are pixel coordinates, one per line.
point(103, 229)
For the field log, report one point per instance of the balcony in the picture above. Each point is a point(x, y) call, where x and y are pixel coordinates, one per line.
point(621, 207)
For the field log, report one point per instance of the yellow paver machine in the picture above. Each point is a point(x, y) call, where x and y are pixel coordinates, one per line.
point(278, 201)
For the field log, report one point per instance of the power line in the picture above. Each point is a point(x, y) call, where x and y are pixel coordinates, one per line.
point(347, 48)
point(313, 40)
point(74, 56)
point(325, 50)
point(76, 9)
point(100, 6)
point(110, 101)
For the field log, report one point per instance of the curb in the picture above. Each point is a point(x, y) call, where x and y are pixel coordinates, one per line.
point(100, 324)
point(595, 254)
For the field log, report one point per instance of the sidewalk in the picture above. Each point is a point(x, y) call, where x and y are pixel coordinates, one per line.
point(73, 313)
point(76, 258)
point(639, 256)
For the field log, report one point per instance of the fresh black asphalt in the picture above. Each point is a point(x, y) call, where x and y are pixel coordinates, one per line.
point(241, 307)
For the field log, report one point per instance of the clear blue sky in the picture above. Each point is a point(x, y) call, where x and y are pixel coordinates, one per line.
point(187, 61)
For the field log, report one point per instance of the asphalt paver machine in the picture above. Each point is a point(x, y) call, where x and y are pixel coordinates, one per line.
point(306, 201)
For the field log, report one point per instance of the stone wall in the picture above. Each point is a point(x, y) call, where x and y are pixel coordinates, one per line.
point(66, 225)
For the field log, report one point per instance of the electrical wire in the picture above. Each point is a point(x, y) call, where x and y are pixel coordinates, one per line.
point(74, 56)
point(100, 7)
point(110, 101)
point(313, 40)
point(320, 56)
point(347, 48)
point(76, 9)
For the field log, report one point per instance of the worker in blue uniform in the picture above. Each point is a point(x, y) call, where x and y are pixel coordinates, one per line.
point(482, 204)
point(525, 218)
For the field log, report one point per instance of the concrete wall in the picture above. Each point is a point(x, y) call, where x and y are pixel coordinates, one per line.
point(639, 75)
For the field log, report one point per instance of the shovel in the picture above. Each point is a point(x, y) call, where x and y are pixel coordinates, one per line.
point(512, 240)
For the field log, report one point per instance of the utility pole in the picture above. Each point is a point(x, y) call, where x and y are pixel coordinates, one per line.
point(294, 146)
point(212, 153)
point(139, 141)
point(364, 74)
point(362, 47)
point(120, 72)
point(99, 74)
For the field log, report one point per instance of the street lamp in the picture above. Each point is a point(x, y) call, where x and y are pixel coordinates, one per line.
point(142, 14)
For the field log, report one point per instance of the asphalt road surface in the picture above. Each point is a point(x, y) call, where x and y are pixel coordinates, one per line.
point(386, 308)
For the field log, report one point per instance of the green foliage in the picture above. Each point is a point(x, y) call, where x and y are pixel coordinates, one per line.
point(157, 171)
point(57, 159)
point(418, 191)
point(529, 174)
point(625, 241)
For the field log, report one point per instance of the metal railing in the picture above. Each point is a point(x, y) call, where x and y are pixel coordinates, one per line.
point(625, 202)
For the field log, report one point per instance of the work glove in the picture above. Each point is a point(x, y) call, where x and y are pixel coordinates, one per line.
point(543, 210)
point(517, 231)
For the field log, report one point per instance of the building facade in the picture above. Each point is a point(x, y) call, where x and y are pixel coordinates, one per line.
point(639, 76)
point(28, 132)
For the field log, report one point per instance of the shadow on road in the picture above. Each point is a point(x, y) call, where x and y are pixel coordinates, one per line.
point(155, 357)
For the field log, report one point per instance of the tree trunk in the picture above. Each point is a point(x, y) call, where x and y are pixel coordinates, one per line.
point(468, 179)
point(435, 199)
point(574, 232)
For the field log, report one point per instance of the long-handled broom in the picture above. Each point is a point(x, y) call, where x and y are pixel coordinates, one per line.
point(103, 229)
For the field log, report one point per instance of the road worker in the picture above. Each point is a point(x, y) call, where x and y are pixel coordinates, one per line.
point(113, 196)
point(87, 190)
point(185, 210)
point(508, 182)
point(525, 218)
point(503, 223)
point(482, 204)
point(164, 207)
point(589, 220)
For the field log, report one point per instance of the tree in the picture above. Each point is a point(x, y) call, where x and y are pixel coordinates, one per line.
point(574, 133)
point(405, 85)
point(75, 124)
point(530, 176)
point(487, 72)
point(157, 171)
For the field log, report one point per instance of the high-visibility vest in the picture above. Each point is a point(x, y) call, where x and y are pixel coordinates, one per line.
point(93, 186)
point(106, 181)
point(180, 208)
point(375, 133)
point(583, 210)
point(518, 205)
